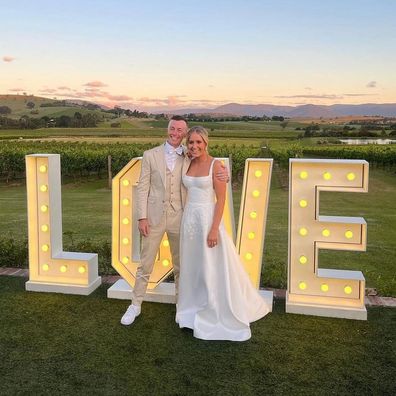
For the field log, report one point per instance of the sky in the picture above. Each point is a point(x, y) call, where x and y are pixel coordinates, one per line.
point(154, 55)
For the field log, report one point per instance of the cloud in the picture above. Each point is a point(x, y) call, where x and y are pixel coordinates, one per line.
point(308, 88)
point(371, 84)
point(8, 58)
point(358, 94)
point(63, 88)
point(309, 96)
point(16, 89)
point(95, 84)
point(48, 90)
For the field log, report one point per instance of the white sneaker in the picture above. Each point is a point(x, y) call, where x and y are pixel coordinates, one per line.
point(131, 313)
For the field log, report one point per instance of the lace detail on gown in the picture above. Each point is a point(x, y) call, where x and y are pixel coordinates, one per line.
point(216, 297)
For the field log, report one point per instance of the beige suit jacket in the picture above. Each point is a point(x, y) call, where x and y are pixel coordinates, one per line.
point(152, 184)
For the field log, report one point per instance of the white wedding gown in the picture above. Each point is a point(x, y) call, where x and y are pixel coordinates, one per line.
point(216, 297)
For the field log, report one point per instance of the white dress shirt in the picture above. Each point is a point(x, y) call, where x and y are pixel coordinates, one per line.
point(171, 154)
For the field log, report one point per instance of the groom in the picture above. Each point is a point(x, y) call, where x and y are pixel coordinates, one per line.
point(161, 198)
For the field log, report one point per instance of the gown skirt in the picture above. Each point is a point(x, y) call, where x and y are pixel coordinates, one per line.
point(217, 299)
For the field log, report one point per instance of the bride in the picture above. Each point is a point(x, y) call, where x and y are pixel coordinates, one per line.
point(216, 297)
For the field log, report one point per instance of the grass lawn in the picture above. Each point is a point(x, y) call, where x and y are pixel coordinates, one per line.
point(87, 215)
point(53, 344)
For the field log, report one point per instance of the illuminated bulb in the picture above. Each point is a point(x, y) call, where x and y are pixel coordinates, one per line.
point(248, 256)
point(45, 248)
point(351, 176)
point(303, 203)
point(81, 269)
point(44, 208)
point(253, 215)
point(43, 169)
point(303, 231)
point(258, 173)
point(303, 175)
point(43, 188)
point(326, 232)
point(302, 285)
point(348, 289)
point(125, 241)
point(45, 267)
point(125, 260)
point(348, 234)
point(303, 260)
point(256, 193)
point(165, 243)
point(44, 228)
point(324, 287)
point(251, 235)
point(125, 201)
point(125, 220)
point(63, 268)
point(125, 182)
point(165, 262)
point(327, 175)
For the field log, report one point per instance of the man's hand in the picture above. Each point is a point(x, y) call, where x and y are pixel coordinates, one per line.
point(144, 227)
point(222, 175)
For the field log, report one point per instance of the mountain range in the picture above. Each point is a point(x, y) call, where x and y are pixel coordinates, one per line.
point(302, 111)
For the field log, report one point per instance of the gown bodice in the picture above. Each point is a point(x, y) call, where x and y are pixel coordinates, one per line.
point(200, 188)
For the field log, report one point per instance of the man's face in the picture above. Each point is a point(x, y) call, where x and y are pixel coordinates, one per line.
point(177, 130)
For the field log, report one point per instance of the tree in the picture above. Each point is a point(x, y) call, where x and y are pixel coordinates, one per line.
point(284, 124)
point(30, 105)
point(5, 110)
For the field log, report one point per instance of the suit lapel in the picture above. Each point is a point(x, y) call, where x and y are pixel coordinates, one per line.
point(161, 164)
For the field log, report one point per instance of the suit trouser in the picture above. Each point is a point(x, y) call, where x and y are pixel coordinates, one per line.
point(170, 223)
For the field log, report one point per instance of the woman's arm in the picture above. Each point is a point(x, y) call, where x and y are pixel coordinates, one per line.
point(220, 190)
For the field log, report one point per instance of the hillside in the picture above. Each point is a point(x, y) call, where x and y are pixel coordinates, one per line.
point(56, 108)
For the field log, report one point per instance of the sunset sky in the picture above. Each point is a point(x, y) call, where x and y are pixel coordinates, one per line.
point(180, 54)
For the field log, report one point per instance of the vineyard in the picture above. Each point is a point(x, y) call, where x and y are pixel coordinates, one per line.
point(84, 159)
point(377, 155)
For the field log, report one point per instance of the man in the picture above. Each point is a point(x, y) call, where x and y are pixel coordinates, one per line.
point(161, 197)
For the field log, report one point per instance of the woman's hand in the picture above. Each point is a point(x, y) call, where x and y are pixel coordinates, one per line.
point(213, 238)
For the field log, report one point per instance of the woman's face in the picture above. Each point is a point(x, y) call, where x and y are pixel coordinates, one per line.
point(196, 145)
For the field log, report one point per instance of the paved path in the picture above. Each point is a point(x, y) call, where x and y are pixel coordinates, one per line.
point(370, 301)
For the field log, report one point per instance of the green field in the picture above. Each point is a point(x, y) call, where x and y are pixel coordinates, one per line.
point(54, 344)
point(87, 216)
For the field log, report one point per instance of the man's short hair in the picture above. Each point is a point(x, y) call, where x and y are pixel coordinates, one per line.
point(178, 118)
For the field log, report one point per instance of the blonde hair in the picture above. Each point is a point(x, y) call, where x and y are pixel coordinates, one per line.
point(201, 131)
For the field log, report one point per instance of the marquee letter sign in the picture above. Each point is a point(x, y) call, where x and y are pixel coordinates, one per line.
point(313, 290)
point(126, 238)
point(50, 268)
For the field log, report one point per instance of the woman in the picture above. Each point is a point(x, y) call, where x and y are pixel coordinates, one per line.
point(216, 297)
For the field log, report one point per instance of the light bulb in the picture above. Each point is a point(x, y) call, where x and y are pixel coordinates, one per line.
point(324, 287)
point(303, 260)
point(253, 215)
point(303, 231)
point(326, 232)
point(351, 176)
point(303, 203)
point(302, 285)
point(303, 175)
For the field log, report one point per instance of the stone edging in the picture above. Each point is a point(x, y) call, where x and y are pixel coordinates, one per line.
point(370, 301)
